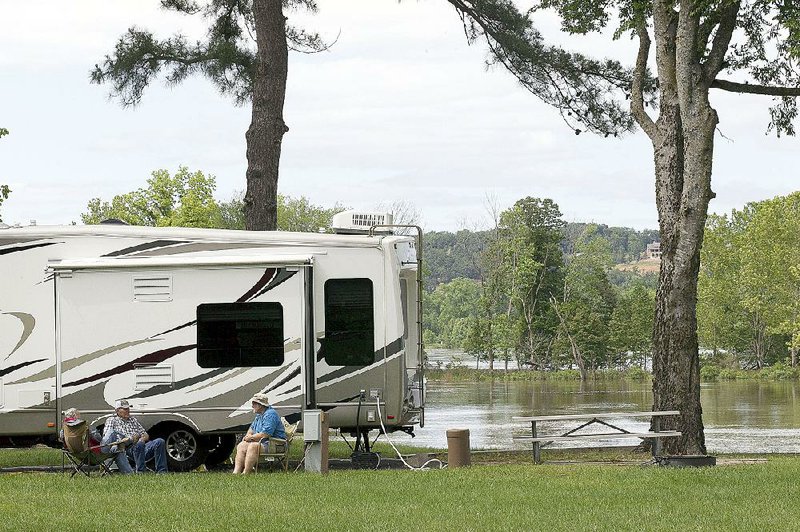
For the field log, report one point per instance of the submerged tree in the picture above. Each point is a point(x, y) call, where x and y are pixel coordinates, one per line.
point(245, 54)
point(696, 42)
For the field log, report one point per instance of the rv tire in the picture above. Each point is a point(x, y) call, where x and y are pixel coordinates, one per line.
point(186, 450)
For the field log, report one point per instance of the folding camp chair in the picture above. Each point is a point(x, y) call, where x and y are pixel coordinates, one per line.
point(278, 447)
point(83, 456)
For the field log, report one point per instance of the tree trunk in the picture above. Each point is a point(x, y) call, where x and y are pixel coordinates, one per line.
point(676, 361)
point(265, 134)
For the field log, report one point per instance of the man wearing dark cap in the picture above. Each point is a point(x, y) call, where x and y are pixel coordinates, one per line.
point(142, 448)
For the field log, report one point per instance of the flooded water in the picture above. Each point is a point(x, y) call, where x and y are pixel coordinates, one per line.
point(739, 417)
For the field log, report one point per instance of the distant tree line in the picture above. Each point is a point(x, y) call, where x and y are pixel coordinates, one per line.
point(449, 255)
point(540, 291)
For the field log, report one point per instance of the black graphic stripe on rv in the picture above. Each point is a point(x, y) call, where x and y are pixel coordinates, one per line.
point(391, 349)
point(269, 273)
point(164, 388)
point(15, 367)
point(7, 251)
point(150, 358)
point(178, 328)
point(142, 247)
point(284, 380)
point(279, 279)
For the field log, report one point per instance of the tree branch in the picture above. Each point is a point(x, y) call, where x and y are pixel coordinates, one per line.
point(748, 88)
point(637, 91)
point(722, 40)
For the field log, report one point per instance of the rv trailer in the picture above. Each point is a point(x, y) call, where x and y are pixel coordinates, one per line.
point(188, 324)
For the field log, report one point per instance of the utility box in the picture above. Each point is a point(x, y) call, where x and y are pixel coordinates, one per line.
point(315, 434)
point(312, 425)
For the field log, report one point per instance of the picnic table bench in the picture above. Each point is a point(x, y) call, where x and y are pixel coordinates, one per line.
point(538, 440)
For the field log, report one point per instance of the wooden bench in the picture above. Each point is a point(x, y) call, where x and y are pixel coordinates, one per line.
point(538, 440)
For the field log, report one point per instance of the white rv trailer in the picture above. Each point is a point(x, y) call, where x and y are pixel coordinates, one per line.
point(189, 323)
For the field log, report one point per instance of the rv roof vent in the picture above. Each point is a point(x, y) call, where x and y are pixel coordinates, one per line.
point(353, 222)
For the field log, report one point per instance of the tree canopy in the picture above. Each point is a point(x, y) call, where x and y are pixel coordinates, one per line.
point(186, 199)
point(244, 54)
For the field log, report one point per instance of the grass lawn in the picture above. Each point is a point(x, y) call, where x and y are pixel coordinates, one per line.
point(496, 497)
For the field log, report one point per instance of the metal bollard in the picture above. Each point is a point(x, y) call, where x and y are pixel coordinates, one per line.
point(458, 448)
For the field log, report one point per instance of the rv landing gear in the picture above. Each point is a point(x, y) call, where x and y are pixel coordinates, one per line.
point(221, 448)
point(362, 457)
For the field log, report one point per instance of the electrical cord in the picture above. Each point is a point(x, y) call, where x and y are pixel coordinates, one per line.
point(303, 459)
point(420, 468)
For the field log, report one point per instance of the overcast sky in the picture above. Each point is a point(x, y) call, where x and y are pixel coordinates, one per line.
point(399, 109)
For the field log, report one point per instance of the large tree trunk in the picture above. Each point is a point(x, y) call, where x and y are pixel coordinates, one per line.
point(683, 141)
point(265, 134)
point(676, 362)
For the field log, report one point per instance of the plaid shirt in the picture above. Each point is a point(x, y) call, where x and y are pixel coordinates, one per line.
point(127, 427)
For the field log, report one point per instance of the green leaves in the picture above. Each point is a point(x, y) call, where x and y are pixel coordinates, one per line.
point(749, 285)
point(185, 199)
point(588, 93)
point(227, 56)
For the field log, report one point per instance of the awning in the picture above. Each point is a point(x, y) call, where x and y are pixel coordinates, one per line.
point(113, 263)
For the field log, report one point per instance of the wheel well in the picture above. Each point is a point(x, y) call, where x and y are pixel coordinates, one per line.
point(163, 428)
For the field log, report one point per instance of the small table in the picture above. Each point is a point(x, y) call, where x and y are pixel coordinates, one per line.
point(656, 434)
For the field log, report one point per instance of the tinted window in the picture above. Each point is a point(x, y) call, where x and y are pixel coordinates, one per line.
point(349, 323)
point(239, 334)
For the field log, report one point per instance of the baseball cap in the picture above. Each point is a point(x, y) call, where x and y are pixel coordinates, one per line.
point(121, 403)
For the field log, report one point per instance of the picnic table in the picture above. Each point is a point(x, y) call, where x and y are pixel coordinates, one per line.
point(539, 440)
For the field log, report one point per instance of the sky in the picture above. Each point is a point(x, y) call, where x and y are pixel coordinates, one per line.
point(400, 109)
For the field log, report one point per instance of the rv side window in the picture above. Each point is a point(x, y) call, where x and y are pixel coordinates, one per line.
point(349, 323)
point(239, 334)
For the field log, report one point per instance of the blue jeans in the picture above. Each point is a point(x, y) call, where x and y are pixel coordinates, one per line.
point(121, 458)
point(153, 449)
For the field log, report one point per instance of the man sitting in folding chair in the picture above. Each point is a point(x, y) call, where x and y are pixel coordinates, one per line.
point(83, 449)
point(266, 426)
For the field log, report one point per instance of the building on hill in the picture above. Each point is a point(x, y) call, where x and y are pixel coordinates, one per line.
point(653, 250)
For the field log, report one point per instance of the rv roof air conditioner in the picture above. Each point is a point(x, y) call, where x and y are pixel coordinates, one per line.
point(356, 223)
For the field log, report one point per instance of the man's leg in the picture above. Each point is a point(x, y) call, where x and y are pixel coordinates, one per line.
point(241, 452)
point(139, 451)
point(123, 464)
point(253, 450)
point(156, 449)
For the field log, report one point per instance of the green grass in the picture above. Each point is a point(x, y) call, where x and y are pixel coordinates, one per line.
point(506, 497)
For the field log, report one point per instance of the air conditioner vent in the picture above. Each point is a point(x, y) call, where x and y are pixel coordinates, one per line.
point(353, 222)
point(152, 288)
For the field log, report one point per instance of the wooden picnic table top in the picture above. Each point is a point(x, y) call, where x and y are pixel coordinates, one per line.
point(603, 415)
point(604, 436)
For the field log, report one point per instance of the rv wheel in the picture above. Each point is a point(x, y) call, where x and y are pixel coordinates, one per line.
point(185, 449)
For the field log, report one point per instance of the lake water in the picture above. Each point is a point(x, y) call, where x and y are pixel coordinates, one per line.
point(739, 417)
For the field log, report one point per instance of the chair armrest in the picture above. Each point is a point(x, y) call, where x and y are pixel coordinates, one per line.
point(268, 438)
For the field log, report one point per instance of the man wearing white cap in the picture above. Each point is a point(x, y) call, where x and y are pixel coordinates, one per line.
point(267, 424)
point(142, 448)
